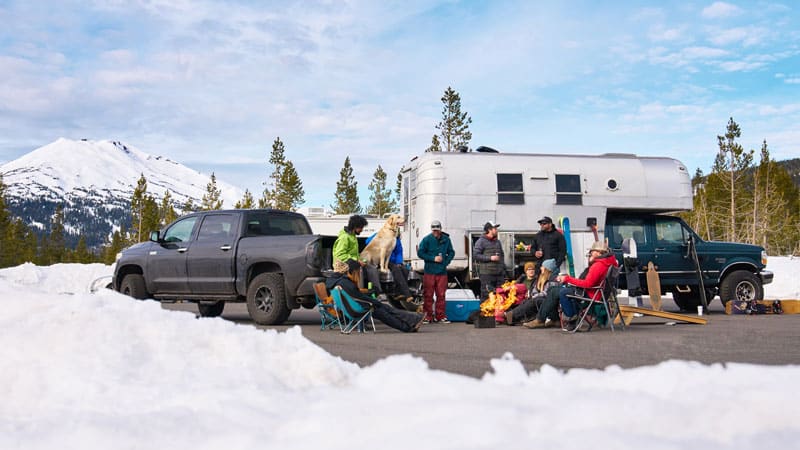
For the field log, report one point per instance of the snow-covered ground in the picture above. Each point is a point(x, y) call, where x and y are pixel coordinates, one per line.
point(102, 371)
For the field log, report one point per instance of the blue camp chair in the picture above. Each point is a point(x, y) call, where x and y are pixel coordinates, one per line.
point(604, 304)
point(354, 313)
point(329, 317)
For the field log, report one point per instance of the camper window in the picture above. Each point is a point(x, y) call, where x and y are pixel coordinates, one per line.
point(509, 189)
point(568, 190)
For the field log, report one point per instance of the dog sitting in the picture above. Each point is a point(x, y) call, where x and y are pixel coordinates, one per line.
point(380, 248)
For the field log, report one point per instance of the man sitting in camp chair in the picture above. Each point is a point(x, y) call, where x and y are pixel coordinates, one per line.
point(600, 259)
point(404, 321)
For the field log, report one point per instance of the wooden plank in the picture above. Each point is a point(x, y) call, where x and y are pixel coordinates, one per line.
point(625, 310)
point(653, 286)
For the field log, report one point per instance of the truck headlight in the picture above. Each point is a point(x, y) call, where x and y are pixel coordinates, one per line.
point(117, 258)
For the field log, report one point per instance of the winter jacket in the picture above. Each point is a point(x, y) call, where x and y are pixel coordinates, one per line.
point(552, 244)
point(346, 247)
point(597, 272)
point(430, 247)
point(482, 253)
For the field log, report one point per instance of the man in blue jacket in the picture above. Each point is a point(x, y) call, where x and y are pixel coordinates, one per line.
point(437, 252)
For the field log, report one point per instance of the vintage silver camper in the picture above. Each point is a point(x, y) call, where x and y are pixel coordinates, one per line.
point(465, 190)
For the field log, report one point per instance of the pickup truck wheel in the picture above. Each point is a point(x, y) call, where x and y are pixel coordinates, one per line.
point(133, 286)
point(266, 300)
point(741, 285)
point(211, 309)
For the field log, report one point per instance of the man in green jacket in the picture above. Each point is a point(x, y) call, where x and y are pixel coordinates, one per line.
point(346, 246)
point(437, 252)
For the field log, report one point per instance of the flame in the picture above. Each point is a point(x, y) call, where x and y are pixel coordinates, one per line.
point(497, 303)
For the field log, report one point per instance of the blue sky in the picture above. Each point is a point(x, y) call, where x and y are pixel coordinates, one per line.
point(212, 84)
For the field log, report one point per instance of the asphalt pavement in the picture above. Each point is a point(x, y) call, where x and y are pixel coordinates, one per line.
point(464, 349)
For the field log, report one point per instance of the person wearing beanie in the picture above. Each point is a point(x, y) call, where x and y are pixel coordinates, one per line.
point(346, 277)
point(537, 293)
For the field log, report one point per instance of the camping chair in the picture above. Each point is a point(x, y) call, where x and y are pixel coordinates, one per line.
point(327, 312)
point(603, 302)
point(354, 312)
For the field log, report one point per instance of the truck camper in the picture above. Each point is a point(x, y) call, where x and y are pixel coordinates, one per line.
point(464, 190)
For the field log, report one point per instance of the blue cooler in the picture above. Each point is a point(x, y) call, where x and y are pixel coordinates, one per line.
point(459, 303)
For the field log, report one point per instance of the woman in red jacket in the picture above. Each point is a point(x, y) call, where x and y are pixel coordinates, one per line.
point(600, 259)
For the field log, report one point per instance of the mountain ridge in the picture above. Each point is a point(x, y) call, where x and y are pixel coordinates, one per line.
point(94, 182)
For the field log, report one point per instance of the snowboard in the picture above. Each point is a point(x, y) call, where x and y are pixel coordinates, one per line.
point(630, 263)
point(564, 223)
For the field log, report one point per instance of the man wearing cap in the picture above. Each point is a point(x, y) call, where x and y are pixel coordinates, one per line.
point(550, 244)
point(437, 252)
point(489, 256)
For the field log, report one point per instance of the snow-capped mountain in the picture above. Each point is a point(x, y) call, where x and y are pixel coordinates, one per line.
point(94, 181)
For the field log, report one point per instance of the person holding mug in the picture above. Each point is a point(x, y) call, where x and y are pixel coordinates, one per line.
point(490, 259)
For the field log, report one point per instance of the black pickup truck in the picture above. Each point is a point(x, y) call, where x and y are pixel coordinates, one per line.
point(267, 258)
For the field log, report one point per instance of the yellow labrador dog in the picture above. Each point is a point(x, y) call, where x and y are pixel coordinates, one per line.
point(380, 248)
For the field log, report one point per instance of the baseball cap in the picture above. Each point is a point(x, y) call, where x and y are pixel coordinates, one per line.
point(545, 219)
point(436, 225)
point(489, 225)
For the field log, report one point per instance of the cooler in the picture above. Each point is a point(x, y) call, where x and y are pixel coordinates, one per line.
point(459, 303)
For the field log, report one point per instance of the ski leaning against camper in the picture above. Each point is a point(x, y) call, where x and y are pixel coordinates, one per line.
point(568, 240)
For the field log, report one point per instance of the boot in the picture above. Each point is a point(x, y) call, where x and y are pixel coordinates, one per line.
point(509, 318)
point(533, 324)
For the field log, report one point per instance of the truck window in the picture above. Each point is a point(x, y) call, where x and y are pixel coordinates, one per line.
point(509, 189)
point(568, 190)
point(216, 227)
point(181, 231)
point(627, 228)
point(668, 230)
point(272, 224)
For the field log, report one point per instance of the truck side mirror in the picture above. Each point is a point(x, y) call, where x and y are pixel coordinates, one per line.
point(154, 236)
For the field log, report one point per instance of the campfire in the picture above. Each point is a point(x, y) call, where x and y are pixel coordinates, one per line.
point(499, 301)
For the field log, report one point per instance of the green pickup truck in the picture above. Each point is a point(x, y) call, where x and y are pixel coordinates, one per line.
point(731, 270)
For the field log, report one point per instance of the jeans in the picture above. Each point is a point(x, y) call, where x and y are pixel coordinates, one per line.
point(400, 275)
point(489, 283)
point(568, 306)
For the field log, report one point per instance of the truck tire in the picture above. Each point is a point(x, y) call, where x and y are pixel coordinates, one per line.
point(133, 286)
point(266, 300)
point(741, 285)
point(211, 309)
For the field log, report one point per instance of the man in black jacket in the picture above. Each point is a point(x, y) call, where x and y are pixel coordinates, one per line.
point(550, 243)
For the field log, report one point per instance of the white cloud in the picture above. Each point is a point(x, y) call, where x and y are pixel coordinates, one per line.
point(718, 10)
point(747, 36)
point(661, 33)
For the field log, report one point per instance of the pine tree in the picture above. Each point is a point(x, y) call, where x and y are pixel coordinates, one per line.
point(211, 199)
point(6, 254)
point(166, 211)
point(773, 222)
point(289, 193)
point(247, 201)
point(454, 126)
point(380, 196)
point(137, 209)
point(82, 254)
point(189, 206)
point(56, 249)
point(151, 217)
point(277, 158)
point(435, 146)
point(346, 191)
point(730, 167)
point(399, 188)
point(113, 246)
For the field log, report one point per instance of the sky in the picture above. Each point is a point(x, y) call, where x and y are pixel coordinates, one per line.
point(212, 84)
point(100, 370)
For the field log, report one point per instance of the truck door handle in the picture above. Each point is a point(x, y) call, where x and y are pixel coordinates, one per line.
point(182, 250)
point(225, 248)
point(661, 249)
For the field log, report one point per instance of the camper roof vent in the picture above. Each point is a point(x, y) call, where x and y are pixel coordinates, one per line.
point(483, 149)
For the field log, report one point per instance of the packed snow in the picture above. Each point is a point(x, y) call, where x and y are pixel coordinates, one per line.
point(99, 370)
